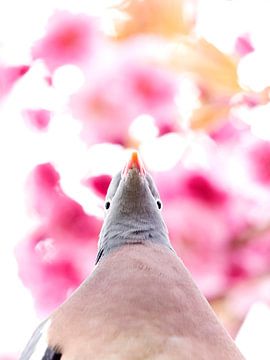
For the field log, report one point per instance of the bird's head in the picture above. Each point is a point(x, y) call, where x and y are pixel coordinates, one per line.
point(132, 210)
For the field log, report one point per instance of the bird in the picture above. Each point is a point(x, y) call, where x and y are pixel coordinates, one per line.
point(140, 302)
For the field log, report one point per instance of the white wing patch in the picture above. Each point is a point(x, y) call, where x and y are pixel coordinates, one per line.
point(37, 345)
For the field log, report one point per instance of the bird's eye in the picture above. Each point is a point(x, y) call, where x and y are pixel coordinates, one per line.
point(159, 204)
point(107, 205)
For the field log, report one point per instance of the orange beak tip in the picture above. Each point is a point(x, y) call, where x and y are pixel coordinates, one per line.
point(134, 162)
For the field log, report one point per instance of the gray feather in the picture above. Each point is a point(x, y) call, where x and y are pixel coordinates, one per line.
point(133, 216)
point(37, 340)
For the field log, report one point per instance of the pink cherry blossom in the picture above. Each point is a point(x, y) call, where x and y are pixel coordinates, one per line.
point(109, 103)
point(251, 258)
point(70, 39)
point(61, 250)
point(205, 222)
point(43, 185)
point(199, 234)
point(191, 184)
point(228, 132)
point(195, 212)
point(37, 118)
point(146, 82)
point(63, 216)
point(46, 271)
point(199, 187)
point(259, 162)
point(243, 45)
point(99, 184)
point(9, 75)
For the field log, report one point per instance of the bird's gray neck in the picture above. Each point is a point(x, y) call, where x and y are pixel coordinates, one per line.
point(133, 216)
point(131, 230)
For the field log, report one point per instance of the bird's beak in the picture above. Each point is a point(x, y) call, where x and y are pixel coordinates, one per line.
point(134, 162)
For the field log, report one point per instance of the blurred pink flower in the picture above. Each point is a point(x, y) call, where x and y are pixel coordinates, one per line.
point(109, 103)
point(259, 162)
point(250, 259)
point(190, 184)
point(70, 39)
point(57, 256)
point(99, 184)
point(64, 217)
point(37, 118)
point(153, 87)
point(9, 75)
point(201, 188)
point(205, 221)
point(243, 45)
point(48, 79)
point(200, 235)
point(195, 212)
point(47, 271)
point(228, 132)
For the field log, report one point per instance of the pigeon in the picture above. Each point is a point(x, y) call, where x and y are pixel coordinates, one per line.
point(140, 302)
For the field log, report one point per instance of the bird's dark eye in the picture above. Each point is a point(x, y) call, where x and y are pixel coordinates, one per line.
point(107, 205)
point(159, 204)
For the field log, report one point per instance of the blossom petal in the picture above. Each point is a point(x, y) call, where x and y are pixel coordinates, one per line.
point(70, 39)
point(37, 118)
point(9, 75)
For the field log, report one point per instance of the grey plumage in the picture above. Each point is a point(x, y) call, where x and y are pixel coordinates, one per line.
point(134, 215)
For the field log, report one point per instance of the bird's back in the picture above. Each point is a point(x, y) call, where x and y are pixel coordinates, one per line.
point(149, 308)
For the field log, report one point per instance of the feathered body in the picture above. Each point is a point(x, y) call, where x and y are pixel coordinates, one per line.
point(140, 302)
